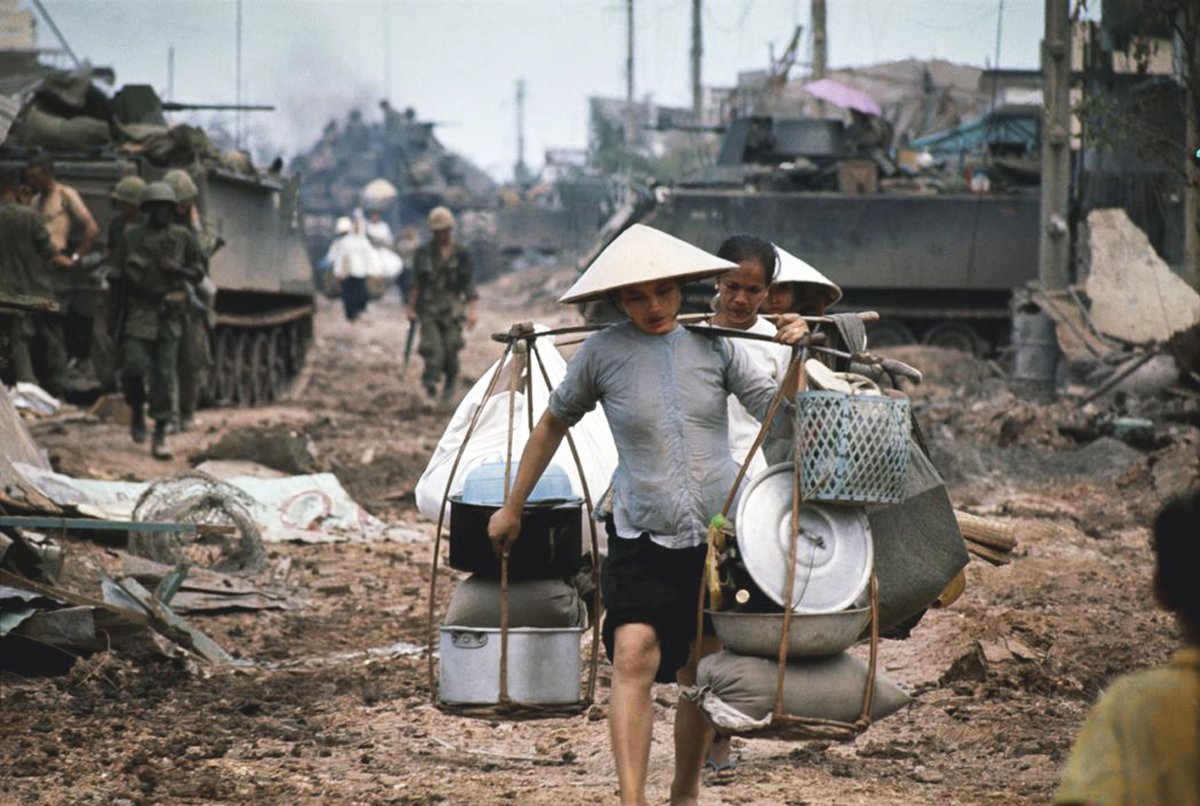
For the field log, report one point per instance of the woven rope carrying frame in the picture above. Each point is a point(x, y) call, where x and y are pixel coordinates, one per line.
point(786, 726)
point(508, 708)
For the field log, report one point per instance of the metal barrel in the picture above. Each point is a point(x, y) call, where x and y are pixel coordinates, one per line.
point(1035, 350)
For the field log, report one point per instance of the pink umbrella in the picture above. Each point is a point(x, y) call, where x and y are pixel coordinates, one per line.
point(839, 94)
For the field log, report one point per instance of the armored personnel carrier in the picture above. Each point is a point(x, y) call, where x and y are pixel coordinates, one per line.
point(939, 263)
point(265, 293)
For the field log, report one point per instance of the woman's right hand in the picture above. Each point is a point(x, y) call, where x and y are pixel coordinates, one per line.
point(503, 528)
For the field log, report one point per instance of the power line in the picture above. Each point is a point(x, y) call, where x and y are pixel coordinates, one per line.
point(62, 40)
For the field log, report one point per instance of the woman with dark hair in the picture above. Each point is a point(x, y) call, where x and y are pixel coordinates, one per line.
point(741, 292)
point(663, 389)
point(799, 288)
point(1141, 741)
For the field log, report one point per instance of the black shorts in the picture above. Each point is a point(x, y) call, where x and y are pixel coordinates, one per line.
point(642, 582)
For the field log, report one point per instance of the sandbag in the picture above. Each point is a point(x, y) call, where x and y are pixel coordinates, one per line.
point(546, 603)
point(43, 130)
point(736, 693)
point(918, 548)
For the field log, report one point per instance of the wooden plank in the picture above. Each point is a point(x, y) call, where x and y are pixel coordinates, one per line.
point(165, 621)
point(54, 592)
point(99, 524)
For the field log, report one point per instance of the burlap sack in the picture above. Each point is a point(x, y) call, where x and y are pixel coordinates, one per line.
point(546, 603)
point(736, 693)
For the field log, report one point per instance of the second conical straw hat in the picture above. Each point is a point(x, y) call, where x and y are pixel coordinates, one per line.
point(794, 270)
point(643, 254)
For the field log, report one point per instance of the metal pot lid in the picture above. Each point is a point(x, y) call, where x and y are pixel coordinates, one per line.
point(833, 559)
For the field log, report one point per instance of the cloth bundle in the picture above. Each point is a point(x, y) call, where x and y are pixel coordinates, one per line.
point(736, 693)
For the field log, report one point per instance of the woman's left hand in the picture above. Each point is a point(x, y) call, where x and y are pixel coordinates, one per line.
point(791, 328)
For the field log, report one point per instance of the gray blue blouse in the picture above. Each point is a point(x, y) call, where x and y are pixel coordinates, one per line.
point(665, 400)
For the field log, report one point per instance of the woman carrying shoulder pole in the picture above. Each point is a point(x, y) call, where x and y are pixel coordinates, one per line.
point(664, 390)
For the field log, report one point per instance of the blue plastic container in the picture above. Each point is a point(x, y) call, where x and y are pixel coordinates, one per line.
point(485, 485)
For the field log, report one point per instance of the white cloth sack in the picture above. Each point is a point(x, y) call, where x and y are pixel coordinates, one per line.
point(597, 452)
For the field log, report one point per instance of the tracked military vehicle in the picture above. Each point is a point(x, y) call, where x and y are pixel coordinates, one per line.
point(939, 265)
point(265, 293)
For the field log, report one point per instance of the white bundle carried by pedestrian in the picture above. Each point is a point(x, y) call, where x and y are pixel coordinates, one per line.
point(489, 441)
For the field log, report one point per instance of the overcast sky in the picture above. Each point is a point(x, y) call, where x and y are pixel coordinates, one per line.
point(457, 61)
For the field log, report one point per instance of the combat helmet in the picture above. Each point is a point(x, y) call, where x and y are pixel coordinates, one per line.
point(157, 192)
point(182, 183)
point(129, 190)
point(440, 218)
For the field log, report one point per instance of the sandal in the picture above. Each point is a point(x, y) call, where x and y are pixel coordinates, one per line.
point(719, 772)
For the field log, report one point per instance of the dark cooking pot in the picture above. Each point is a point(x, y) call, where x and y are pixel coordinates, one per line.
point(550, 545)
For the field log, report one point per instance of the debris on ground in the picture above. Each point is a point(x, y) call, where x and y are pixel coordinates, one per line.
point(1135, 297)
point(34, 401)
point(280, 448)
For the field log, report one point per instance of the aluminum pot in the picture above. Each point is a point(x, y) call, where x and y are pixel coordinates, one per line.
point(550, 545)
point(809, 634)
point(543, 665)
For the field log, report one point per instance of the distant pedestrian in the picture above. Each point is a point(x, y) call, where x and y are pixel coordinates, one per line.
point(351, 256)
point(1141, 741)
point(442, 298)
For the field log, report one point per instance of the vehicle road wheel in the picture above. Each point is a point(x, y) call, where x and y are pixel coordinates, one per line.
point(888, 334)
point(260, 367)
point(297, 345)
point(277, 374)
point(245, 373)
point(225, 367)
point(954, 336)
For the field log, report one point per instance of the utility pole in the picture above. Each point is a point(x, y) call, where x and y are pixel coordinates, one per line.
point(630, 117)
point(387, 52)
point(697, 54)
point(1055, 237)
point(520, 172)
point(1187, 72)
point(237, 115)
point(171, 72)
point(819, 55)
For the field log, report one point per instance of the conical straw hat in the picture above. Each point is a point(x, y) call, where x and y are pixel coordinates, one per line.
point(643, 254)
point(794, 270)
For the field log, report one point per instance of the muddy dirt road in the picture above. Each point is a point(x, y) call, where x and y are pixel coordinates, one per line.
point(1000, 681)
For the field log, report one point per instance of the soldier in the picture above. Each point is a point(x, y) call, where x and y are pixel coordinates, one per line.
point(64, 213)
point(126, 204)
point(442, 298)
point(155, 261)
point(195, 354)
point(127, 199)
point(25, 251)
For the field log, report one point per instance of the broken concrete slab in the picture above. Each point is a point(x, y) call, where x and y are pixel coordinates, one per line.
point(1135, 296)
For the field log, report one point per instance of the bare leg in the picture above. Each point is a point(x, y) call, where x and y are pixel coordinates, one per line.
point(692, 734)
point(630, 718)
